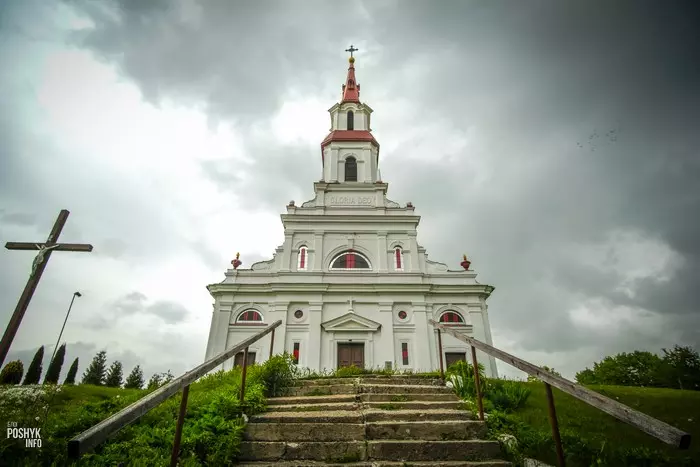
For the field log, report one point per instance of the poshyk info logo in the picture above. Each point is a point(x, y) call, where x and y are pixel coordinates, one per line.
point(31, 436)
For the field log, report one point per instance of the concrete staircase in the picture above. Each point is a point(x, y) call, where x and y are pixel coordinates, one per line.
point(369, 421)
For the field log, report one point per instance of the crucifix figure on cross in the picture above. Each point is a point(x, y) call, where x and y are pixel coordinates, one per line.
point(38, 266)
point(351, 50)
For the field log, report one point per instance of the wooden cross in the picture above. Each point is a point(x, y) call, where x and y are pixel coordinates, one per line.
point(38, 266)
point(351, 49)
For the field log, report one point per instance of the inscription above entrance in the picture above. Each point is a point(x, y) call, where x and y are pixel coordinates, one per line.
point(350, 201)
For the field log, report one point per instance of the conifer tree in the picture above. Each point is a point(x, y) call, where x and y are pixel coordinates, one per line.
point(113, 379)
point(135, 379)
point(54, 370)
point(72, 372)
point(95, 373)
point(154, 382)
point(33, 374)
point(12, 373)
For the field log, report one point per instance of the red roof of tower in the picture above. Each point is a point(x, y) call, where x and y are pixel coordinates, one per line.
point(351, 90)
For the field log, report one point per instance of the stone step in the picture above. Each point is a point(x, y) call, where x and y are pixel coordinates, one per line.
point(322, 390)
point(416, 405)
point(324, 382)
point(316, 407)
point(376, 415)
point(296, 432)
point(429, 431)
point(404, 389)
point(312, 399)
point(307, 463)
point(419, 450)
point(341, 452)
point(337, 416)
point(344, 452)
point(398, 380)
point(406, 397)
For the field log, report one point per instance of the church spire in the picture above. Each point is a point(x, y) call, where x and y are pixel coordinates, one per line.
point(351, 90)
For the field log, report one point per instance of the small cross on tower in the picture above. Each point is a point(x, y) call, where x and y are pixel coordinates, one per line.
point(351, 50)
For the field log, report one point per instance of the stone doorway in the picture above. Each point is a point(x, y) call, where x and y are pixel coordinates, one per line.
point(350, 354)
point(238, 359)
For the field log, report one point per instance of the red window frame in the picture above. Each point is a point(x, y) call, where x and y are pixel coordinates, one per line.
point(451, 317)
point(398, 258)
point(404, 352)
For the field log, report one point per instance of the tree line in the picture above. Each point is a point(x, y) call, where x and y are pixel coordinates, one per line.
point(97, 373)
point(678, 368)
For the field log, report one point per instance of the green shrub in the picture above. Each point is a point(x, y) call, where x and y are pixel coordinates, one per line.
point(349, 371)
point(12, 373)
point(461, 374)
point(507, 395)
point(277, 374)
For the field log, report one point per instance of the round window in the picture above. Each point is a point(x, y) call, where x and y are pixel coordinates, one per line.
point(403, 314)
point(298, 314)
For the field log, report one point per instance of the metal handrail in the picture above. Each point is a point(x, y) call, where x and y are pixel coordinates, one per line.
point(87, 440)
point(650, 425)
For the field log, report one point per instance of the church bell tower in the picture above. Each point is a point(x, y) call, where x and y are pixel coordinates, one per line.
point(350, 154)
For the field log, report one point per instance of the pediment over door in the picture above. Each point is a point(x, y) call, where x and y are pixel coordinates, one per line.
point(351, 322)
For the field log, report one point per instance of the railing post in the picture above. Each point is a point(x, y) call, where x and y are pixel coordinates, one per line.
point(245, 367)
point(555, 425)
point(442, 369)
point(477, 383)
point(178, 428)
point(272, 341)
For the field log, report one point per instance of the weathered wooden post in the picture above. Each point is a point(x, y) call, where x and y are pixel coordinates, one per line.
point(442, 370)
point(555, 425)
point(245, 367)
point(272, 342)
point(178, 428)
point(477, 383)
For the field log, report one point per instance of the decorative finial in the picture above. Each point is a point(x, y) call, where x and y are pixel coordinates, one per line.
point(236, 262)
point(465, 263)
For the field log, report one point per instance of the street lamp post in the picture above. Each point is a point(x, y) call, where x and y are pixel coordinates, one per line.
point(75, 294)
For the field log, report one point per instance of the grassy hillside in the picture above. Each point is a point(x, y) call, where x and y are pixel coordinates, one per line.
point(211, 436)
point(589, 435)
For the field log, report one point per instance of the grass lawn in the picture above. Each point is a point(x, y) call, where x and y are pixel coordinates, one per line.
point(680, 409)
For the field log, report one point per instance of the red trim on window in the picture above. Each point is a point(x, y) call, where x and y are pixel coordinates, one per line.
point(404, 352)
point(302, 260)
point(350, 261)
point(398, 258)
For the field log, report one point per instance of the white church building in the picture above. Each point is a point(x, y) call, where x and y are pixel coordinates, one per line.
point(350, 283)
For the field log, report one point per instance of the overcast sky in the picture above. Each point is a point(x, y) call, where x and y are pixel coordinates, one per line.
point(556, 143)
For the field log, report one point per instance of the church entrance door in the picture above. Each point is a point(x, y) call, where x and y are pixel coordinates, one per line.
point(351, 354)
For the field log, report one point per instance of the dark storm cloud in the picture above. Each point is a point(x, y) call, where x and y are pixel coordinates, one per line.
point(583, 117)
point(236, 57)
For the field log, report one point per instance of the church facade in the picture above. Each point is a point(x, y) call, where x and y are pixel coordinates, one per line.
point(350, 283)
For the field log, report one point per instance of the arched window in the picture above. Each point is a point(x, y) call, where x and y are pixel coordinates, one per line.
point(398, 259)
point(350, 260)
point(350, 169)
point(249, 316)
point(303, 259)
point(351, 120)
point(451, 317)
